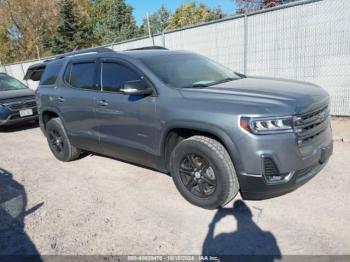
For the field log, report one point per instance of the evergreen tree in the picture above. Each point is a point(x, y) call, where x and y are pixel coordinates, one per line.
point(164, 17)
point(113, 21)
point(73, 31)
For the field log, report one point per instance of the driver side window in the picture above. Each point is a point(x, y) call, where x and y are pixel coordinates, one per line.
point(115, 75)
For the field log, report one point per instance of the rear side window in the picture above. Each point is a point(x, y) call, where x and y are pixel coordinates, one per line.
point(81, 75)
point(51, 73)
point(115, 75)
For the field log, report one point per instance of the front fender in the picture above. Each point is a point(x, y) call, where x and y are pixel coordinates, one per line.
point(210, 129)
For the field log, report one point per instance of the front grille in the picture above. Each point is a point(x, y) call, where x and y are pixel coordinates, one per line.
point(18, 105)
point(311, 124)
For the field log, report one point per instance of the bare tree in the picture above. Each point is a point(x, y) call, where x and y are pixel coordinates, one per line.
point(244, 6)
point(26, 21)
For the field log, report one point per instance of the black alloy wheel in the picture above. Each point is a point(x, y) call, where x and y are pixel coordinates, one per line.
point(203, 172)
point(56, 141)
point(197, 175)
point(59, 142)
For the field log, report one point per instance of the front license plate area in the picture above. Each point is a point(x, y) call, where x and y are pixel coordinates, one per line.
point(26, 112)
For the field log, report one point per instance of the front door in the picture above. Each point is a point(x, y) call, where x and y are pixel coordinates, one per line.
point(126, 123)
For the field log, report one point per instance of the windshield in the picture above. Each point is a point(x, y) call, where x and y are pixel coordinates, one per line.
point(188, 70)
point(8, 83)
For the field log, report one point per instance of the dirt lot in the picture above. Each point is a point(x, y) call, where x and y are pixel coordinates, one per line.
point(98, 205)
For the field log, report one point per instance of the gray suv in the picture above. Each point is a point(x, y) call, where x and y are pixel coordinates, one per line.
point(215, 131)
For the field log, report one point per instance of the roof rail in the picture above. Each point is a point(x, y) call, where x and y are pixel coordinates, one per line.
point(30, 74)
point(81, 52)
point(155, 47)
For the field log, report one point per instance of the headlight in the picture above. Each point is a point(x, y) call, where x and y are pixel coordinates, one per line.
point(270, 125)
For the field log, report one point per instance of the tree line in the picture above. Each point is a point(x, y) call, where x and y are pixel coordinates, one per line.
point(32, 28)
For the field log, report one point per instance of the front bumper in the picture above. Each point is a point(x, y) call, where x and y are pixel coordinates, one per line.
point(9, 117)
point(275, 164)
point(256, 188)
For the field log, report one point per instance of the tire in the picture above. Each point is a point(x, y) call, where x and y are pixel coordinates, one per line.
point(203, 172)
point(59, 142)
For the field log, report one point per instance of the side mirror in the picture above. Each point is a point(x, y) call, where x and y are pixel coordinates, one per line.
point(136, 88)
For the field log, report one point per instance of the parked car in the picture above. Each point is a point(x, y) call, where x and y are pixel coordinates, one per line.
point(17, 101)
point(216, 131)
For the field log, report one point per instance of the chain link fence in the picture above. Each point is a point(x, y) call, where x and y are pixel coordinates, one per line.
point(306, 40)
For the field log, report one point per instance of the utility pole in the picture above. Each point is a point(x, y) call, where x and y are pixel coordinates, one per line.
point(37, 52)
point(149, 29)
point(245, 43)
point(4, 68)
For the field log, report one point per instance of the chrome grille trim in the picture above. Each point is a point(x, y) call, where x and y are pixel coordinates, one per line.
point(21, 104)
point(311, 124)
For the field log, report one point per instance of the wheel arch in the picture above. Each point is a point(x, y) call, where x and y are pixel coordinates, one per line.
point(47, 114)
point(178, 131)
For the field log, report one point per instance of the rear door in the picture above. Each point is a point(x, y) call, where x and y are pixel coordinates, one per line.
point(126, 123)
point(47, 76)
point(76, 103)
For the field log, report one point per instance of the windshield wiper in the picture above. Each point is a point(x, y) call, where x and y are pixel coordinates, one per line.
point(228, 79)
point(196, 85)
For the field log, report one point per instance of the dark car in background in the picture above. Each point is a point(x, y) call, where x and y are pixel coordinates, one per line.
point(17, 101)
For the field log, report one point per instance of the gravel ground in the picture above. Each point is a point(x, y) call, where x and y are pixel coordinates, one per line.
point(97, 205)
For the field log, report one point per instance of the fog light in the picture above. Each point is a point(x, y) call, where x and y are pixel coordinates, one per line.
point(271, 173)
point(274, 178)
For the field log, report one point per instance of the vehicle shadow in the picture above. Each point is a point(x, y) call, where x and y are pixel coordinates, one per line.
point(247, 243)
point(18, 127)
point(14, 242)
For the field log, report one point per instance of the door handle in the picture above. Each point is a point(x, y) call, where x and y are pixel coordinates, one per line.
point(102, 103)
point(60, 99)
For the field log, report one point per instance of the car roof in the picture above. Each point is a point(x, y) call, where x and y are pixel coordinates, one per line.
point(133, 53)
point(108, 52)
point(102, 52)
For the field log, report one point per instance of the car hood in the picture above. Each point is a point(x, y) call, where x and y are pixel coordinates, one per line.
point(300, 96)
point(15, 94)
